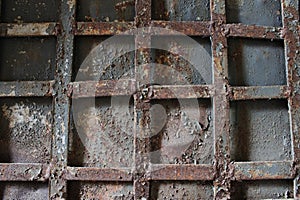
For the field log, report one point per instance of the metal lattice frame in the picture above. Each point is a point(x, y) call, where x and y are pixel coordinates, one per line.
point(222, 172)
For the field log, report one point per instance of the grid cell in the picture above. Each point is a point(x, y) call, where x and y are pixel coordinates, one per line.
point(257, 12)
point(105, 11)
point(260, 131)
point(181, 10)
point(256, 62)
point(27, 59)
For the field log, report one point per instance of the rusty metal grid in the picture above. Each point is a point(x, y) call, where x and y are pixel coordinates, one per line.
point(223, 171)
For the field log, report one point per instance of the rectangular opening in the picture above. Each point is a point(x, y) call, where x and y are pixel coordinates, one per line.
point(26, 130)
point(99, 190)
point(102, 132)
point(27, 59)
point(181, 60)
point(103, 58)
point(257, 12)
point(256, 62)
point(24, 190)
point(20, 11)
point(181, 190)
point(182, 10)
point(260, 131)
point(266, 189)
point(181, 131)
point(105, 11)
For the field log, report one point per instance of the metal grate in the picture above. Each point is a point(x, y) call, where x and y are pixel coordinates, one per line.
point(224, 92)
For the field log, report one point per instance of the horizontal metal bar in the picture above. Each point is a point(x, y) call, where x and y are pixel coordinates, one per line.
point(260, 92)
point(184, 27)
point(26, 89)
point(113, 28)
point(24, 172)
point(101, 88)
point(103, 28)
point(180, 91)
point(28, 29)
point(181, 172)
point(263, 170)
point(253, 31)
point(97, 174)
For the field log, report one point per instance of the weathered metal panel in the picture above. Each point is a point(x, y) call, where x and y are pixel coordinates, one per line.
point(181, 190)
point(26, 130)
point(100, 190)
point(260, 131)
point(27, 59)
point(119, 153)
point(106, 11)
point(265, 13)
point(24, 190)
point(185, 10)
point(22, 11)
point(181, 136)
point(103, 136)
point(275, 189)
point(256, 62)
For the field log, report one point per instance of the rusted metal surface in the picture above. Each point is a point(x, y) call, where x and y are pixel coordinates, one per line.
point(24, 190)
point(264, 13)
point(263, 170)
point(100, 190)
point(63, 74)
point(253, 31)
point(261, 67)
point(142, 132)
point(26, 88)
point(22, 121)
point(292, 44)
point(20, 11)
point(268, 68)
point(103, 28)
point(98, 174)
point(187, 10)
point(27, 59)
point(223, 172)
point(180, 172)
point(264, 189)
point(29, 29)
point(263, 92)
point(181, 92)
point(252, 123)
point(102, 88)
point(181, 190)
point(188, 28)
point(24, 172)
point(105, 11)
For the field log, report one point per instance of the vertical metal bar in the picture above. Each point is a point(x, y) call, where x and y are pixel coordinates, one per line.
point(141, 104)
point(290, 14)
point(220, 102)
point(58, 185)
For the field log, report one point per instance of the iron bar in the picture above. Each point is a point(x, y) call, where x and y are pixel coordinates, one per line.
point(101, 88)
point(24, 172)
point(103, 28)
point(58, 186)
point(290, 13)
point(220, 103)
point(263, 170)
point(29, 29)
point(161, 172)
point(141, 187)
point(260, 92)
point(97, 174)
point(26, 88)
